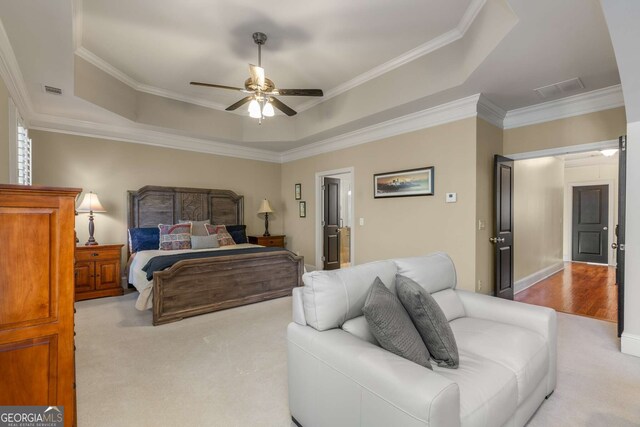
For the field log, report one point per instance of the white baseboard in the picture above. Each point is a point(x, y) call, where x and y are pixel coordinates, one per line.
point(630, 344)
point(534, 278)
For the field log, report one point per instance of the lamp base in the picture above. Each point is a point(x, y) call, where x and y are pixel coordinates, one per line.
point(266, 225)
point(94, 243)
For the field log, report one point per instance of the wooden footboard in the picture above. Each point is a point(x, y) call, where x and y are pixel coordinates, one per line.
point(198, 286)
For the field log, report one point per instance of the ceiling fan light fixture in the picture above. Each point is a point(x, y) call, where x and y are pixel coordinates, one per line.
point(254, 109)
point(268, 110)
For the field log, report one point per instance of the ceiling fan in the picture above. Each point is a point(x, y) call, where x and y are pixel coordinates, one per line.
point(261, 91)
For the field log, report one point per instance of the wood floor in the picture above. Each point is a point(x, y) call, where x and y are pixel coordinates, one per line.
point(583, 289)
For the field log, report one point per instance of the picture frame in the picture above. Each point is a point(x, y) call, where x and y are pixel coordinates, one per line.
point(302, 209)
point(404, 183)
point(298, 191)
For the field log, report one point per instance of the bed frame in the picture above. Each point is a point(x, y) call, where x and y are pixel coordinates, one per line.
point(198, 286)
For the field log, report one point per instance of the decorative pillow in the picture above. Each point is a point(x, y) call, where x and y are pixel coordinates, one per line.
point(430, 321)
point(238, 233)
point(224, 238)
point(391, 326)
point(177, 236)
point(143, 239)
point(197, 227)
point(204, 242)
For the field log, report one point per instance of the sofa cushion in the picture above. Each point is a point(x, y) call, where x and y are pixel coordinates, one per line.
point(333, 297)
point(488, 390)
point(437, 275)
point(522, 351)
point(391, 325)
point(360, 328)
point(430, 321)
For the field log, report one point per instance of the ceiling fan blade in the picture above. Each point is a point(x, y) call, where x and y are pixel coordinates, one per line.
point(239, 103)
point(218, 86)
point(282, 106)
point(300, 92)
point(257, 75)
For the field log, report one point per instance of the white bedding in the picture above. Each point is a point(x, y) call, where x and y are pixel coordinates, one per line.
point(138, 278)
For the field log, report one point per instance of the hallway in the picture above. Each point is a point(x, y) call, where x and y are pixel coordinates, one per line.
point(583, 289)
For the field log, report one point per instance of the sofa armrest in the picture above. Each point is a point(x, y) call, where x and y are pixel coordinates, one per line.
point(542, 320)
point(298, 306)
point(336, 378)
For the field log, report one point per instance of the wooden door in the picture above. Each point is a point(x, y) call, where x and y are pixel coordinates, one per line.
point(36, 297)
point(503, 226)
point(590, 224)
point(620, 230)
point(331, 223)
point(84, 272)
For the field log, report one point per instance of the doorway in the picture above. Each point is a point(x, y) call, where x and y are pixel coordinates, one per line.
point(334, 219)
point(564, 221)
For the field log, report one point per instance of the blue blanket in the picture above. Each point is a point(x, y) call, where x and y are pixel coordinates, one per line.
point(162, 262)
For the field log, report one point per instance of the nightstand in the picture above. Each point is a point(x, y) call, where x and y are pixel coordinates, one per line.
point(273, 241)
point(97, 271)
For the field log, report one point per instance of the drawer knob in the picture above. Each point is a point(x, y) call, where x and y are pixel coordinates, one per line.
point(95, 254)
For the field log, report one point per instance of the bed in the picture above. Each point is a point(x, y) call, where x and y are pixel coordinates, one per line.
point(196, 286)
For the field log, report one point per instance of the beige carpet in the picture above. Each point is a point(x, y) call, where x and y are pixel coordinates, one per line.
point(229, 369)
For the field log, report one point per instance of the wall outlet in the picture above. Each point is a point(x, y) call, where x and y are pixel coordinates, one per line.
point(451, 197)
point(481, 224)
point(361, 221)
point(479, 285)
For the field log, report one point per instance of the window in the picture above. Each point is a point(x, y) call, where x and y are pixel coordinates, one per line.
point(24, 155)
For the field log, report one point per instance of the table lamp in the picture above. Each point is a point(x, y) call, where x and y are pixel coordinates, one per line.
point(91, 204)
point(265, 208)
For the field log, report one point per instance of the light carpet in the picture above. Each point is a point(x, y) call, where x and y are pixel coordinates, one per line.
point(230, 369)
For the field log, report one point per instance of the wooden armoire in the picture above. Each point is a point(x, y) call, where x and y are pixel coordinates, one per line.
point(37, 245)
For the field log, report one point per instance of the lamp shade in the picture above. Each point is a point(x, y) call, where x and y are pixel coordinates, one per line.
point(265, 207)
point(90, 203)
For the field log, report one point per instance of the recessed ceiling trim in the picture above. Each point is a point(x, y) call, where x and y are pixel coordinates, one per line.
point(584, 103)
point(490, 112)
point(12, 76)
point(445, 113)
point(103, 65)
point(434, 44)
point(148, 136)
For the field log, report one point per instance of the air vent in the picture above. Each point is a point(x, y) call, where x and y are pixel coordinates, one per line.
point(52, 90)
point(561, 88)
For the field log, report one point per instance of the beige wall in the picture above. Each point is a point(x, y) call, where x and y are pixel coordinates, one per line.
point(489, 143)
point(594, 127)
point(588, 175)
point(4, 134)
point(537, 206)
point(110, 168)
point(397, 227)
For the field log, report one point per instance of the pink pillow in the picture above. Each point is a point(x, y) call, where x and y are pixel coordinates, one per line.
point(177, 236)
point(224, 238)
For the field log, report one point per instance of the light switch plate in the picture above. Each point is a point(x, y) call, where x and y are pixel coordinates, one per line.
point(451, 197)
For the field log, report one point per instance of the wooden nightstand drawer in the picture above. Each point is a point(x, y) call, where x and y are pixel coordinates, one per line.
point(94, 253)
point(272, 241)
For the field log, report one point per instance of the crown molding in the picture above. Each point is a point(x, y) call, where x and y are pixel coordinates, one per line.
point(114, 72)
point(584, 103)
point(139, 135)
point(445, 113)
point(12, 77)
point(490, 112)
point(434, 44)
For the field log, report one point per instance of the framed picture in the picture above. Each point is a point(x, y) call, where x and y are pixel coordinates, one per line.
point(298, 191)
point(303, 209)
point(406, 183)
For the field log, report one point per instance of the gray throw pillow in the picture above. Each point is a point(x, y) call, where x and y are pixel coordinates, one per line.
point(197, 227)
point(204, 242)
point(391, 325)
point(430, 321)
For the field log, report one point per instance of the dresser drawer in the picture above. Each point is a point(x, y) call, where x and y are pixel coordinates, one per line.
point(93, 255)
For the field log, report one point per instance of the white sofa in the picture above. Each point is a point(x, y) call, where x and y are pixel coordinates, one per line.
point(340, 376)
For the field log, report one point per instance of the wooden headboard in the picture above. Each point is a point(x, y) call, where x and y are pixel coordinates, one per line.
point(152, 205)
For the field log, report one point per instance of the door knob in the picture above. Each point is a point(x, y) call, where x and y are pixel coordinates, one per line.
point(605, 228)
point(496, 239)
point(614, 245)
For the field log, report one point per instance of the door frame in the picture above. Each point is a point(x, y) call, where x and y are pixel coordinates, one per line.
point(319, 209)
point(568, 200)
